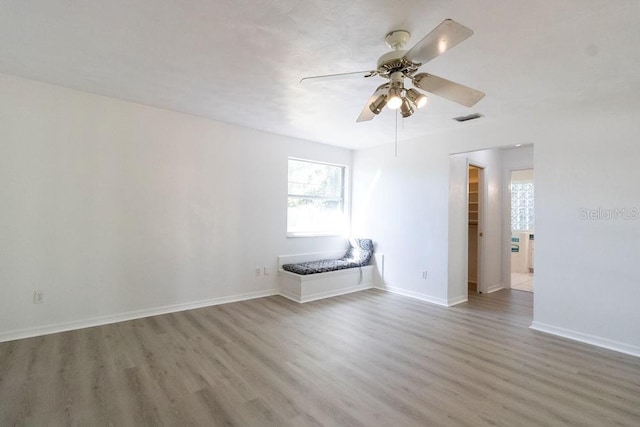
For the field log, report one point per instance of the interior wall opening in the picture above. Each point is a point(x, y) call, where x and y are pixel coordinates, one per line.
point(521, 190)
point(474, 206)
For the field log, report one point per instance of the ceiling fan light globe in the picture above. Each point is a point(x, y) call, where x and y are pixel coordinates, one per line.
point(406, 109)
point(394, 100)
point(377, 105)
point(417, 98)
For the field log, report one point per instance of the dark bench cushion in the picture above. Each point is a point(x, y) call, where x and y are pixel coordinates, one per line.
point(358, 255)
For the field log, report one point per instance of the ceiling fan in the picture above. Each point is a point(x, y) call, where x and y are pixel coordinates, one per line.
point(398, 65)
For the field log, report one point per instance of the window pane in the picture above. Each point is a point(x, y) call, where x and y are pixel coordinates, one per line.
point(316, 198)
point(314, 215)
point(315, 179)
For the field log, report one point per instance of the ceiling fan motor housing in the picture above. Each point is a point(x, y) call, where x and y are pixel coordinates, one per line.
point(395, 61)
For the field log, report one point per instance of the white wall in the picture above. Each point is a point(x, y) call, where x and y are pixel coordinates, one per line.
point(587, 280)
point(402, 205)
point(522, 175)
point(457, 245)
point(517, 158)
point(115, 209)
point(587, 275)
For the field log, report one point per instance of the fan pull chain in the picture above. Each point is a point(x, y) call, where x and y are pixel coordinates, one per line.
point(396, 146)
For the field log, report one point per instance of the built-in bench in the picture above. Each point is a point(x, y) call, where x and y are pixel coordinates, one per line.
point(310, 287)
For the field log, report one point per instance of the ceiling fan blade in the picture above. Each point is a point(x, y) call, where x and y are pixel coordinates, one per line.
point(442, 38)
point(447, 89)
point(366, 113)
point(327, 77)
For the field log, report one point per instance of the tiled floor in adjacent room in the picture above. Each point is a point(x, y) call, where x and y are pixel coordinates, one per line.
point(522, 281)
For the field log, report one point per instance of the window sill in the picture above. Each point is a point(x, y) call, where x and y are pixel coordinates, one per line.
point(327, 234)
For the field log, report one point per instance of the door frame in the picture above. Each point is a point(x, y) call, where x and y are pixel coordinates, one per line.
point(506, 229)
point(482, 194)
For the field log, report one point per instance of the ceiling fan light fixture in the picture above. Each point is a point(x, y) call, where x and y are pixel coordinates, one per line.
point(394, 100)
point(400, 65)
point(417, 98)
point(406, 109)
point(377, 105)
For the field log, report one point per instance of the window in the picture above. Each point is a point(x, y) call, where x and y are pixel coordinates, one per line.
point(522, 191)
point(316, 198)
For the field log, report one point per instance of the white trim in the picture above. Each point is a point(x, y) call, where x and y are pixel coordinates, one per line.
point(482, 206)
point(586, 338)
point(294, 234)
point(326, 294)
point(346, 203)
point(506, 228)
point(494, 288)
point(420, 296)
point(130, 315)
point(318, 162)
point(506, 212)
point(343, 291)
point(310, 287)
point(457, 300)
point(289, 295)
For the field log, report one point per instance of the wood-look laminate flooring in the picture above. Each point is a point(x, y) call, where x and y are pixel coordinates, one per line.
point(366, 359)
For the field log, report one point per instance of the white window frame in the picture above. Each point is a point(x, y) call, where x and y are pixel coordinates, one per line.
point(345, 201)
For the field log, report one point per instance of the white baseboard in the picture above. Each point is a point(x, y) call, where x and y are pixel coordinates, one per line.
point(416, 295)
point(328, 294)
point(335, 293)
point(131, 315)
point(289, 296)
point(494, 288)
point(458, 300)
point(586, 338)
point(310, 287)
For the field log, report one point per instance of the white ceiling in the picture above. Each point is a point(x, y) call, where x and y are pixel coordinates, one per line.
point(240, 61)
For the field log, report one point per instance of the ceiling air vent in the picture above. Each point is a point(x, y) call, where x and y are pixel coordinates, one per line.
point(467, 118)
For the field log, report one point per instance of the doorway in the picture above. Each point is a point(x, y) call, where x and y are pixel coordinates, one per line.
point(475, 179)
point(522, 188)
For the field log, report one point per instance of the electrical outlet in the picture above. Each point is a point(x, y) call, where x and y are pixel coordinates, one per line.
point(257, 271)
point(266, 271)
point(38, 297)
point(425, 274)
